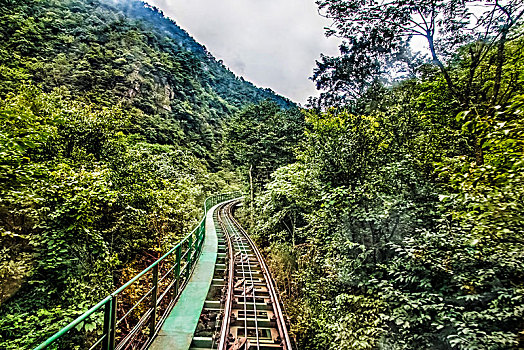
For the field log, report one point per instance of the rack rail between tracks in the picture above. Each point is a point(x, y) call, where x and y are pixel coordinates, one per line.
point(245, 257)
point(124, 320)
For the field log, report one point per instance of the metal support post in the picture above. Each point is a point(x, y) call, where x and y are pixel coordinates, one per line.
point(189, 253)
point(112, 328)
point(108, 311)
point(154, 299)
point(177, 269)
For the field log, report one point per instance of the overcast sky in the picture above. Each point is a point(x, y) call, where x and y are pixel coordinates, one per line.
point(272, 43)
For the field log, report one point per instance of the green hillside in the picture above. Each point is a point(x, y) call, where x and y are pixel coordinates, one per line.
point(126, 53)
point(111, 117)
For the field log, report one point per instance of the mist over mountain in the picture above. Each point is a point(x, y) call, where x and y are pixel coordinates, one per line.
point(233, 89)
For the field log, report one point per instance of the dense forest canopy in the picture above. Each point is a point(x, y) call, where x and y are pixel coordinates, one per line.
point(391, 210)
point(400, 223)
point(376, 46)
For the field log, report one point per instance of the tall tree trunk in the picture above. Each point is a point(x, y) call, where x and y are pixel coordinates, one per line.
point(500, 64)
point(479, 152)
point(443, 69)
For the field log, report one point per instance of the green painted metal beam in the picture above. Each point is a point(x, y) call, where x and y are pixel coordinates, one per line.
point(178, 329)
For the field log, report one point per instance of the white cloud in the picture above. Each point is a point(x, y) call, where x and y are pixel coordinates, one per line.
point(272, 43)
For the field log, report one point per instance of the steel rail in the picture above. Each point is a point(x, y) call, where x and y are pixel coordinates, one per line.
point(242, 252)
point(281, 322)
point(245, 253)
point(234, 232)
point(224, 332)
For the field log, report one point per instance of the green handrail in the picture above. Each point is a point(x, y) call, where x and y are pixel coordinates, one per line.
point(149, 318)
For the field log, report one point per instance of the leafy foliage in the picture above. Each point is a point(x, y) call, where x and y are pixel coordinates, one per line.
point(262, 137)
point(392, 233)
point(376, 39)
point(82, 200)
point(125, 53)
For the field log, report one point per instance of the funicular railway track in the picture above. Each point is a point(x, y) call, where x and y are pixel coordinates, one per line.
point(241, 310)
point(248, 314)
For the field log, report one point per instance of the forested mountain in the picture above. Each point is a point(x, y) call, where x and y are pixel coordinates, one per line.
point(235, 90)
point(391, 210)
point(110, 121)
point(124, 52)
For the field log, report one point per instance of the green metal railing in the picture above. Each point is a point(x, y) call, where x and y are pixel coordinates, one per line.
point(133, 314)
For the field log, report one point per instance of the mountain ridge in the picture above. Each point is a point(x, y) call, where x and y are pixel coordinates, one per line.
point(125, 53)
point(164, 24)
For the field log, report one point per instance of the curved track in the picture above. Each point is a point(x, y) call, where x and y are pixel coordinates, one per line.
point(252, 316)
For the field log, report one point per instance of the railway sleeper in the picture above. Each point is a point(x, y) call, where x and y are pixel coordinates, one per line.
point(249, 306)
point(252, 323)
point(268, 338)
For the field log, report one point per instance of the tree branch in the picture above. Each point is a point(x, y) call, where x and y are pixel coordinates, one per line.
point(444, 71)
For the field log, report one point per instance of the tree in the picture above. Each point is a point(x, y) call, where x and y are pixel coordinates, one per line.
point(377, 35)
point(261, 138)
point(395, 238)
point(469, 44)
